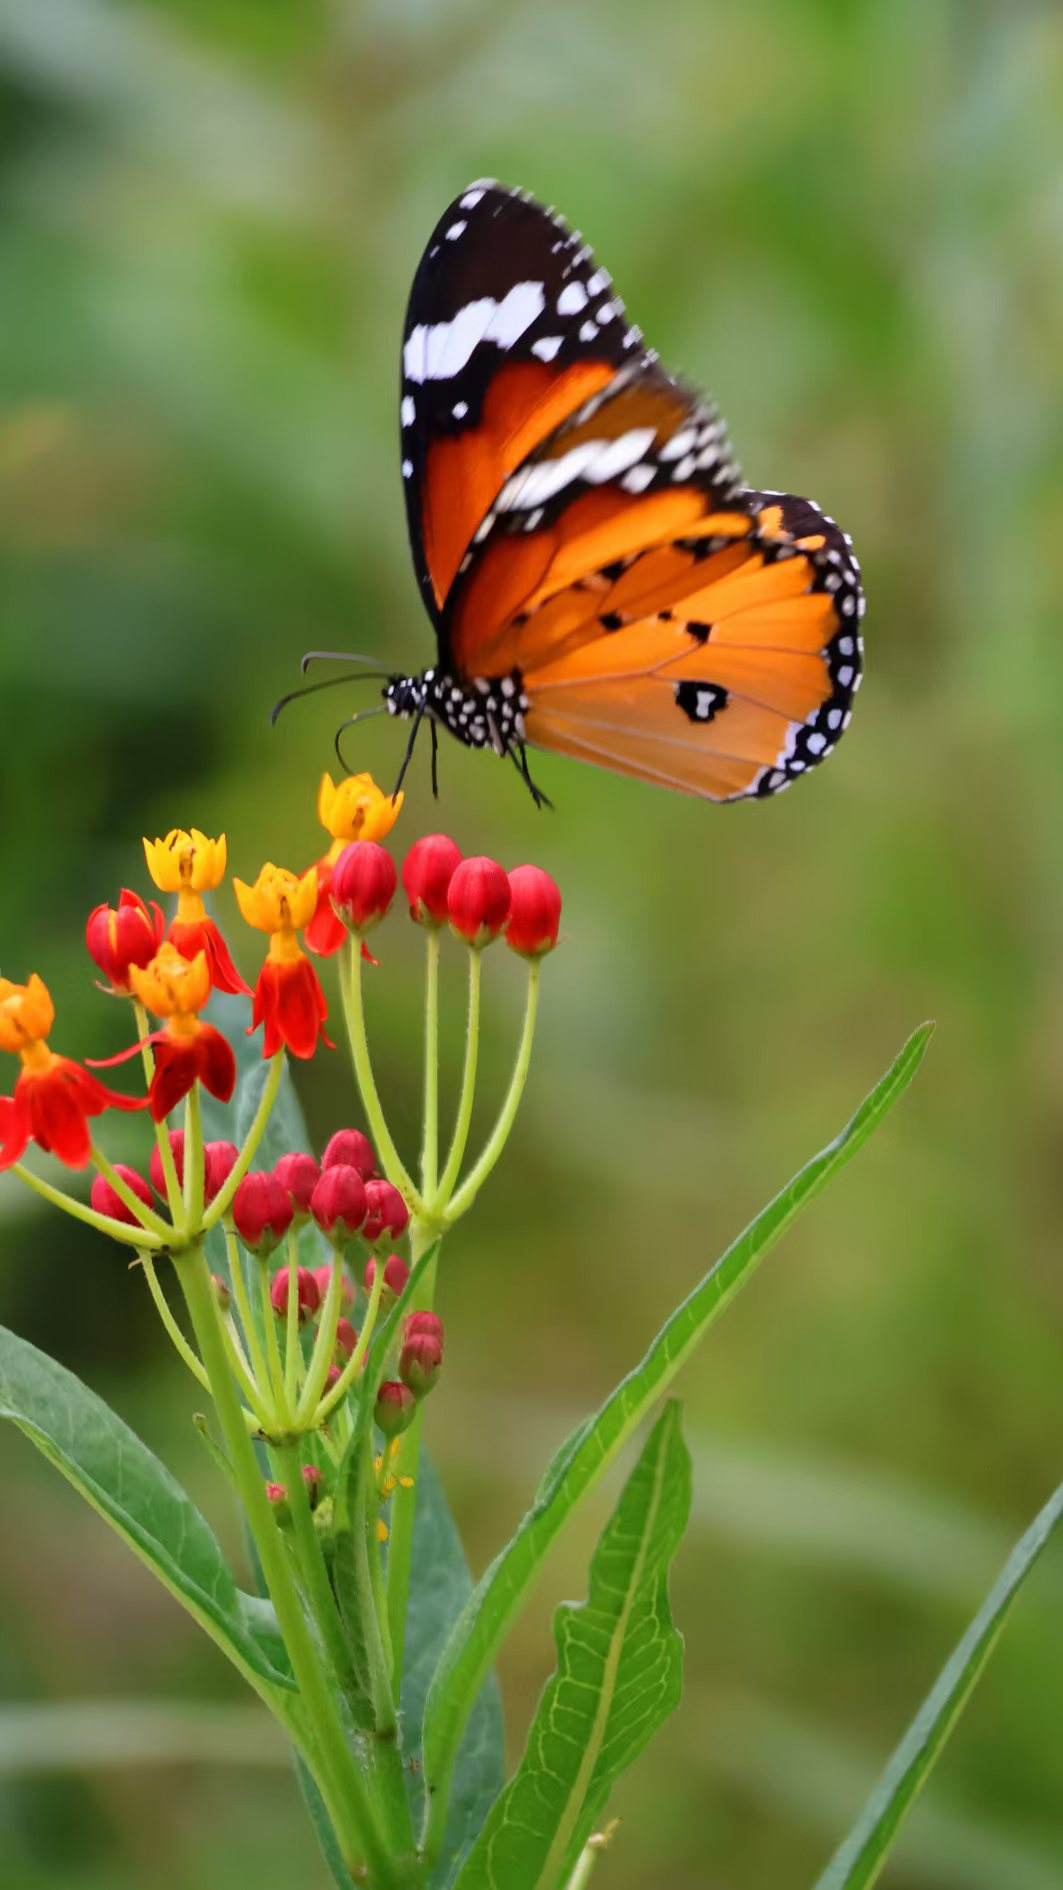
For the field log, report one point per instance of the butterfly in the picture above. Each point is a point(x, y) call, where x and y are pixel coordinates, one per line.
point(601, 582)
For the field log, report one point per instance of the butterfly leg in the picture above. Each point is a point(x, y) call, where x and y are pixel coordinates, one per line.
point(520, 761)
point(435, 761)
point(410, 746)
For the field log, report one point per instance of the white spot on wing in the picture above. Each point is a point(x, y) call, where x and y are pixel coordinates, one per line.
point(547, 347)
point(471, 199)
point(572, 298)
point(408, 410)
point(407, 468)
point(595, 461)
point(440, 352)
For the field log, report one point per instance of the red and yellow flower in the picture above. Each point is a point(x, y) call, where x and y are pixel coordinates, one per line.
point(355, 809)
point(54, 1097)
point(190, 864)
point(123, 935)
point(289, 1000)
point(187, 1050)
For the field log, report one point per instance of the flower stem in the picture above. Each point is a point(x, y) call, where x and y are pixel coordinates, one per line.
point(338, 1775)
point(356, 1363)
point(193, 1159)
point(223, 1199)
point(474, 1181)
point(273, 1350)
point(293, 1345)
point(118, 1230)
point(354, 1017)
point(259, 1367)
point(173, 1329)
point(463, 1119)
point(162, 1136)
point(146, 1216)
point(586, 1861)
point(324, 1345)
point(312, 1561)
point(404, 1501)
point(430, 1143)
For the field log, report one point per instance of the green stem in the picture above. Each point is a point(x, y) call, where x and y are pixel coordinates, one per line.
point(354, 1017)
point(259, 1367)
point(181, 1344)
point(585, 1863)
point(474, 1181)
point(193, 1159)
point(312, 1561)
point(463, 1120)
point(324, 1345)
point(337, 1773)
point(146, 1217)
point(404, 1502)
point(430, 1143)
point(293, 1344)
point(273, 1350)
point(356, 1363)
point(118, 1230)
point(162, 1135)
point(223, 1199)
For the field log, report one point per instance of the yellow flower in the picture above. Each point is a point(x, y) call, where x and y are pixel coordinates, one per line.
point(172, 986)
point(186, 862)
point(356, 809)
point(278, 901)
point(26, 1013)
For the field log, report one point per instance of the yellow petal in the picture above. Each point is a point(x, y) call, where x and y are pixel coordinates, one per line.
point(247, 899)
point(326, 794)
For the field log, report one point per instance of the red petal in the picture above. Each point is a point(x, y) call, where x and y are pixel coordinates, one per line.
point(175, 1073)
point(325, 933)
point(300, 1007)
point(58, 1117)
point(14, 1131)
point(215, 1062)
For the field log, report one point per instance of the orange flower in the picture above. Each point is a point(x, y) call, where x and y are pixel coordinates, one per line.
point(186, 1049)
point(354, 810)
point(54, 1097)
point(190, 864)
point(289, 1000)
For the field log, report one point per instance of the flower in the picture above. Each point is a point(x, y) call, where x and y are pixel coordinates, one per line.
point(356, 809)
point(423, 1322)
point(349, 1148)
point(386, 1213)
point(262, 1213)
point(219, 1160)
point(420, 1362)
point(478, 901)
point(534, 912)
point(427, 871)
point(289, 1000)
point(396, 1407)
point(186, 1049)
point(190, 864)
point(299, 1174)
point(54, 1097)
point(362, 886)
point(306, 1292)
point(311, 1476)
point(396, 1274)
point(346, 1337)
point(177, 1145)
point(338, 1204)
point(107, 1200)
point(123, 935)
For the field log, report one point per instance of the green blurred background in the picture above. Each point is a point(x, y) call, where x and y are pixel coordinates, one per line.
point(846, 220)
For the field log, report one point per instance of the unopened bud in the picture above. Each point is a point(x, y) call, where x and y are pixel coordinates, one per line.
point(219, 1160)
point(106, 1200)
point(177, 1145)
point(396, 1274)
point(311, 1476)
point(346, 1338)
point(386, 1213)
point(421, 1362)
point(478, 901)
point(262, 1213)
point(306, 1289)
point(362, 886)
point(298, 1175)
point(338, 1203)
point(349, 1148)
point(395, 1408)
point(427, 871)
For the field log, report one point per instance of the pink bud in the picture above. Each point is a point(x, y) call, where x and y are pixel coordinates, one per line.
point(349, 1148)
point(106, 1201)
point(306, 1289)
point(298, 1175)
point(363, 885)
point(478, 901)
point(158, 1179)
point(386, 1213)
point(421, 1362)
point(396, 1274)
point(262, 1213)
point(219, 1160)
point(338, 1203)
point(395, 1408)
point(323, 1276)
point(534, 912)
point(427, 871)
point(346, 1337)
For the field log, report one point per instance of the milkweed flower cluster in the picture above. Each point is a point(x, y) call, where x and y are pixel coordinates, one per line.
point(303, 1311)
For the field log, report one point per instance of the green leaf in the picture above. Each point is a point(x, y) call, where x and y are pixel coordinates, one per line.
point(859, 1861)
point(136, 1494)
point(619, 1675)
point(440, 1585)
point(586, 1456)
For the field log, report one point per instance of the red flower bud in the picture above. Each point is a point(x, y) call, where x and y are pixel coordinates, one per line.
point(298, 1175)
point(262, 1213)
point(478, 901)
point(123, 935)
point(105, 1201)
point(276, 1494)
point(363, 885)
point(396, 1274)
point(306, 1290)
point(424, 1322)
point(395, 1408)
point(346, 1337)
point(349, 1148)
point(177, 1144)
point(323, 1276)
point(421, 1362)
point(534, 912)
point(332, 1377)
point(311, 1476)
point(219, 1160)
point(386, 1213)
point(427, 871)
point(338, 1203)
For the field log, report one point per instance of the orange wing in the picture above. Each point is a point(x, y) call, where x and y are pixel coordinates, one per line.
point(661, 623)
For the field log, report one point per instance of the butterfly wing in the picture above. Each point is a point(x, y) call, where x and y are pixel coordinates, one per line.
point(665, 621)
point(510, 327)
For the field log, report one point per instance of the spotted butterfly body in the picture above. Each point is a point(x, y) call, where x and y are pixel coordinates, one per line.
point(601, 582)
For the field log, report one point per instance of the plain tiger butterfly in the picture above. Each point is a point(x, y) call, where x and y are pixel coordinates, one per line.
point(601, 582)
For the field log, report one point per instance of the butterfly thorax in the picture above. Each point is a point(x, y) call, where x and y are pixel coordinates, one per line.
point(486, 712)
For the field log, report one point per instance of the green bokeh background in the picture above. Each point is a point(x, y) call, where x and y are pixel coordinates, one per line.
point(846, 220)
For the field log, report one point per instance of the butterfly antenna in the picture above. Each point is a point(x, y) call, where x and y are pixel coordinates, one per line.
point(311, 689)
point(410, 746)
point(335, 656)
point(363, 715)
